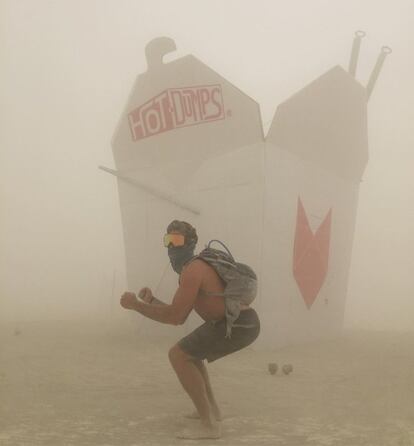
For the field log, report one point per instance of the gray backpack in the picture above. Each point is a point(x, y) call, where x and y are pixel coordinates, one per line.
point(240, 281)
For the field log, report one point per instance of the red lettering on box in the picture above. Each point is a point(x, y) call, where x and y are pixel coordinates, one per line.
point(175, 108)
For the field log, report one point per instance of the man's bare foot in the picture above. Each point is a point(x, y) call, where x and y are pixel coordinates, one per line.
point(201, 432)
point(196, 416)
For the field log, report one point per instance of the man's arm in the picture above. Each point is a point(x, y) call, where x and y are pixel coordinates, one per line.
point(155, 301)
point(177, 312)
point(146, 295)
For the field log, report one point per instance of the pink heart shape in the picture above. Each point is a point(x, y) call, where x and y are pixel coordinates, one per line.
point(311, 255)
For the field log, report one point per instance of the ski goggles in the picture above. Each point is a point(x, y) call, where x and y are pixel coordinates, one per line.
point(174, 239)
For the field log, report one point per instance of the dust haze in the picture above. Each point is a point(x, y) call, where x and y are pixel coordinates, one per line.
point(68, 350)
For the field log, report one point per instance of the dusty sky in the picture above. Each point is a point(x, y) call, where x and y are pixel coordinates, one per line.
point(66, 69)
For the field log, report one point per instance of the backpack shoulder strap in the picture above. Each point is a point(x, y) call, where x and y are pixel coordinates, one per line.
point(223, 245)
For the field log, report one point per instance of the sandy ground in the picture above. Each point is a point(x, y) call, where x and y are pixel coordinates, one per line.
point(77, 384)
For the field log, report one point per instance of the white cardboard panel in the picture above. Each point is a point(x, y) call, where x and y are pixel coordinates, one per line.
point(288, 179)
point(238, 122)
point(326, 123)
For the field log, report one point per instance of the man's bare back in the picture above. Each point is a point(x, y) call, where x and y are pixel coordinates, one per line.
point(208, 305)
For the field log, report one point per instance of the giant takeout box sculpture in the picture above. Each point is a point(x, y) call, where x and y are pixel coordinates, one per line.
point(190, 146)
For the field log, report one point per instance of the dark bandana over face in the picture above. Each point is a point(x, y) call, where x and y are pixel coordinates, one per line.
point(180, 255)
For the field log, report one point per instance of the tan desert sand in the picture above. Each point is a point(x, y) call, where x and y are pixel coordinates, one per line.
point(67, 383)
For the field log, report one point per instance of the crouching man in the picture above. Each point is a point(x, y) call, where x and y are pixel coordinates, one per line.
point(200, 288)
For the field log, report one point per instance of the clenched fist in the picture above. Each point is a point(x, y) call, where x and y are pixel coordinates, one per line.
point(146, 295)
point(129, 300)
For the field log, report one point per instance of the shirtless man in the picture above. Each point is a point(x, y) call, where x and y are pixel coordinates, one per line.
point(198, 283)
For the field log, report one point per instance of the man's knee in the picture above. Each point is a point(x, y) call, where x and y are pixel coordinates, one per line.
point(176, 354)
point(199, 363)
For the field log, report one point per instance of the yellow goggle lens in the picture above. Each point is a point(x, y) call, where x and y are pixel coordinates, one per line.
point(174, 239)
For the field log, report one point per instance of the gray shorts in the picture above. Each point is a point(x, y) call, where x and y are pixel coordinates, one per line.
point(209, 341)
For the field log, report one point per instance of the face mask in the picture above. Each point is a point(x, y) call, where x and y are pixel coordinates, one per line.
point(180, 255)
